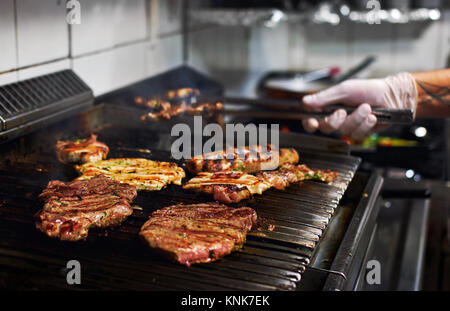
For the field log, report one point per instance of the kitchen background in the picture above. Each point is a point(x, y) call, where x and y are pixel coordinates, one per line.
point(127, 41)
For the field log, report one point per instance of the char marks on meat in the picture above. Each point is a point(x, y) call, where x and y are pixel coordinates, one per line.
point(227, 187)
point(72, 208)
point(196, 233)
point(232, 187)
point(250, 159)
point(289, 173)
point(81, 150)
point(143, 173)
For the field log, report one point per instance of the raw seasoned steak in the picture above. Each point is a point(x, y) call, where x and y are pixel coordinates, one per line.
point(72, 208)
point(195, 233)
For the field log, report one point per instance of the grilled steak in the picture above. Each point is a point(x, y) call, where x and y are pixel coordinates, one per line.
point(246, 159)
point(232, 187)
point(227, 187)
point(142, 173)
point(198, 233)
point(81, 150)
point(72, 208)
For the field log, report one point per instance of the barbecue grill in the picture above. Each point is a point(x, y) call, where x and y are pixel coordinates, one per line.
point(312, 236)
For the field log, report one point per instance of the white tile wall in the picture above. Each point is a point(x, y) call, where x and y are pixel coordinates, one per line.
point(373, 40)
point(297, 58)
point(112, 69)
point(42, 31)
point(119, 67)
point(35, 71)
point(444, 59)
point(196, 55)
point(8, 78)
point(421, 53)
point(164, 54)
point(108, 23)
point(110, 48)
point(169, 16)
point(226, 48)
point(269, 48)
point(327, 45)
point(8, 58)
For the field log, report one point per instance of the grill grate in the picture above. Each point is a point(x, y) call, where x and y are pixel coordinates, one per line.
point(270, 260)
point(29, 100)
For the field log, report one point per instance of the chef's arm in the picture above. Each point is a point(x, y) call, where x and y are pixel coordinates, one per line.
point(433, 90)
point(427, 94)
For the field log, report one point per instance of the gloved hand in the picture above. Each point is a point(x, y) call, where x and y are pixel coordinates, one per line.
point(394, 92)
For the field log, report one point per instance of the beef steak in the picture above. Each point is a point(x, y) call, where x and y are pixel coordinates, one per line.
point(195, 233)
point(72, 208)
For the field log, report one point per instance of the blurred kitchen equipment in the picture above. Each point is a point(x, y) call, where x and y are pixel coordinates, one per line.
point(402, 5)
point(355, 70)
point(426, 4)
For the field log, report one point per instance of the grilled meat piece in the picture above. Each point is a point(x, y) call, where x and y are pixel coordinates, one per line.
point(232, 187)
point(81, 150)
point(303, 172)
point(182, 93)
point(279, 179)
point(72, 208)
point(142, 173)
point(289, 173)
point(227, 187)
point(195, 233)
point(163, 110)
point(246, 159)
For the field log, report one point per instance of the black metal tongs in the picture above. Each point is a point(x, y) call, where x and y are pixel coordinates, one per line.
point(295, 110)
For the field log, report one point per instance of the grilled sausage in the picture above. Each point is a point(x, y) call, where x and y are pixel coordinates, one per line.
point(245, 159)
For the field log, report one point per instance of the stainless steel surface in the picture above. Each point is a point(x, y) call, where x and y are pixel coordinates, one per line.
point(416, 236)
point(352, 250)
point(399, 245)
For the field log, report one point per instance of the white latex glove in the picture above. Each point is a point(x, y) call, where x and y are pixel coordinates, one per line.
point(394, 92)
